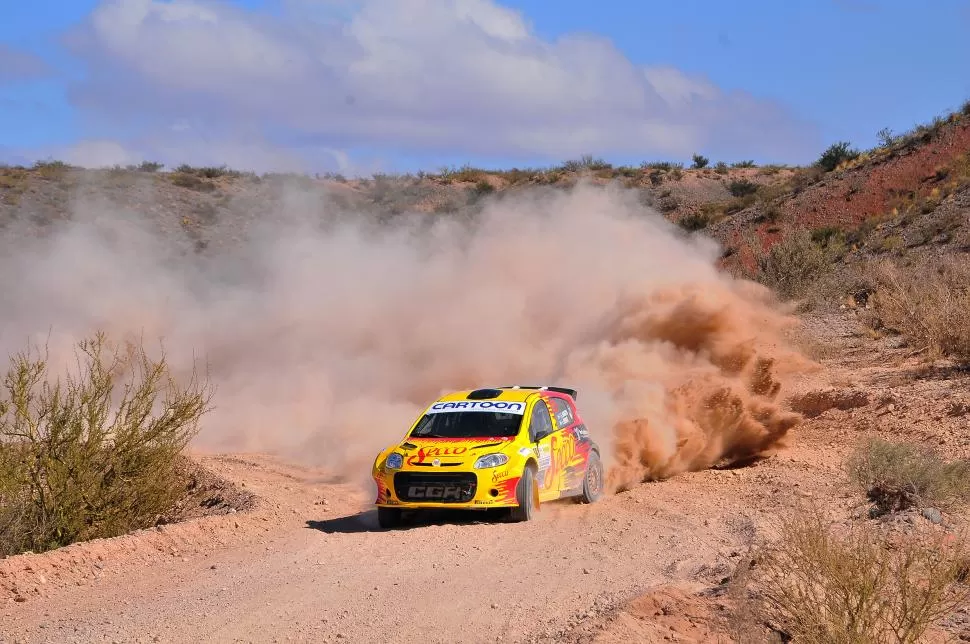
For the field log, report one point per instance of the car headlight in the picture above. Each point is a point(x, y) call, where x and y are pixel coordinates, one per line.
point(491, 460)
point(394, 461)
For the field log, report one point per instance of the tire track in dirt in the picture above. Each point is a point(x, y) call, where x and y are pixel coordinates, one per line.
point(296, 568)
point(310, 564)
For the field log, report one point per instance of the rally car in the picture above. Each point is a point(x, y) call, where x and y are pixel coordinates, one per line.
point(508, 447)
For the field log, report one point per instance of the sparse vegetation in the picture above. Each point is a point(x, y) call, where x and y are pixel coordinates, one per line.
point(585, 162)
point(148, 166)
point(665, 166)
point(700, 162)
point(742, 187)
point(721, 168)
point(208, 172)
point(51, 169)
point(835, 155)
point(192, 182)
point(744, 164)
point(857, 585)
point(793, 265)
point(886, 137)
point(90, 456)
point(926, 302)
point(695, 221)
point(898, 476)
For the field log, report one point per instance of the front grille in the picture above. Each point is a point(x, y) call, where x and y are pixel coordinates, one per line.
point(446, 487)
point(438, 465)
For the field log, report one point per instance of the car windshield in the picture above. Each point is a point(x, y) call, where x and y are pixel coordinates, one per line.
point(467, 424)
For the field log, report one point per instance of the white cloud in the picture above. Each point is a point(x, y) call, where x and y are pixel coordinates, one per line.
point(17, 65)
point(466, 76)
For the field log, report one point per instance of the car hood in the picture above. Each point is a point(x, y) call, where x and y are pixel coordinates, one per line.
point(449, 452)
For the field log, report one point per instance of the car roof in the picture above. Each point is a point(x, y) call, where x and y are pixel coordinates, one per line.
point(507, 393)
point(511, 395)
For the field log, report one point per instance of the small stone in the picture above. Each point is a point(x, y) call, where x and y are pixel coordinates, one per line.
point(585, 571)
point(494, 605)
point(932, 515)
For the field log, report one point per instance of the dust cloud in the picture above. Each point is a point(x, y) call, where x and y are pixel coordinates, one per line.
point(324, 335)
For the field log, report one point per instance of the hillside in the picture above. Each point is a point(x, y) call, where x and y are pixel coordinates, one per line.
point(846, 400)
point(909, 194)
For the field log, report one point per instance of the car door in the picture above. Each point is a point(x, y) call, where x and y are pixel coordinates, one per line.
point(568, 455)
point(541, 432)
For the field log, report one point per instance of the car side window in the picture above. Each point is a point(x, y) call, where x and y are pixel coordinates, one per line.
point(562, 412)
point(541, 422)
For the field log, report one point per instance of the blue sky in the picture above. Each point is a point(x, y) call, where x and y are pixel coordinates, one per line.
point(365, 85)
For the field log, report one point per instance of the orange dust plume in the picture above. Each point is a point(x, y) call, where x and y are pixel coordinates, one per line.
point(325, 331)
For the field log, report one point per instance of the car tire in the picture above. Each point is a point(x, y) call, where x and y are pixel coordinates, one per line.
point(389, 518)
point(525, 496)
point(592, 479)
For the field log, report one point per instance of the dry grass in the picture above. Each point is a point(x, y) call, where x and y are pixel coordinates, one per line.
point(858, 585)
point(927, 302)
point(793, 266)
point(95, 454)
point(897, 476)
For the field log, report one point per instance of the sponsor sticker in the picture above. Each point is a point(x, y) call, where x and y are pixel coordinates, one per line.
point(506, 407)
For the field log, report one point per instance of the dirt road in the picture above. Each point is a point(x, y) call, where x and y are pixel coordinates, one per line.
point(310, 564)
point(297, 570)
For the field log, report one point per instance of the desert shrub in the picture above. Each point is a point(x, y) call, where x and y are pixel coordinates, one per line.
point(666, 166)
point(927, 302)
point(793, 265)
point(720, 167)
point(897, 476)
point(835, 155)
point(94, 454)
point(51, 169)
point(208, 172)
point(192, 182)
point(700, 161)
point(695, 221)
point(858, 585)
point(483, 187)
point(743, 164)
point(742, 187)
point(585, 162)
point(772, 169)
point(965, 108)
point(886, 137)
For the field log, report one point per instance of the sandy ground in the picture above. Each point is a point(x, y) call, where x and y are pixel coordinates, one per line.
point(309, 563)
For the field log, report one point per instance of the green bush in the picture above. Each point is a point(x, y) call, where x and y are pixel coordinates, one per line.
point(835, 155)
point(94, 454)
point(700, 162)
point(742, 187)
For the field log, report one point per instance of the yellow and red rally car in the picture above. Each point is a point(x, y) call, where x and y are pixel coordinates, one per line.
point(505, 447)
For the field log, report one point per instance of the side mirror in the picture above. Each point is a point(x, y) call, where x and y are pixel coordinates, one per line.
point(542, 434)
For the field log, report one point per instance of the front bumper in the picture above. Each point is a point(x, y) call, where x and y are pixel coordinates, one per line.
point(466, 489)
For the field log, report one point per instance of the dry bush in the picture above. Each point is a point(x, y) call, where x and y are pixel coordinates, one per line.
point(93, 455)
point(794, 265)
point(925, 302)
point(897, 476)
point(860, 586)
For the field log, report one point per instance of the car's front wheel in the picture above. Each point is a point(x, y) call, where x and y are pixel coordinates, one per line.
point(525, 493)
point(388, 518)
